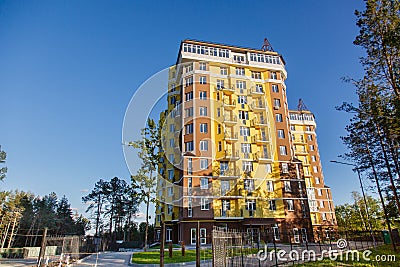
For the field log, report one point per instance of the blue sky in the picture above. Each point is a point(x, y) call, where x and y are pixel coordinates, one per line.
point(68, 70)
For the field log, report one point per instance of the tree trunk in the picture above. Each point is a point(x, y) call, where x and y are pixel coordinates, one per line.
point(147, 221)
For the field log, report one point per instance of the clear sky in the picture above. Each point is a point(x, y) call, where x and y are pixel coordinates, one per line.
point(68, 70)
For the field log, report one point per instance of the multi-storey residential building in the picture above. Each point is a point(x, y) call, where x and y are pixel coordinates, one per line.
point(231, 152)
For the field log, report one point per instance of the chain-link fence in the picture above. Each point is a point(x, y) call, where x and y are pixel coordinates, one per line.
point(232, 248)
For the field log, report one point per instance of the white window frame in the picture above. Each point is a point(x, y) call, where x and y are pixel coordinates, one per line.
point(203, 164)
point(203, 145)
point(290, 207)
point(205, 203)
point(203, 183)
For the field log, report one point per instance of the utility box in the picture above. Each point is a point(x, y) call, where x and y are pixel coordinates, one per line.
point(386, 237)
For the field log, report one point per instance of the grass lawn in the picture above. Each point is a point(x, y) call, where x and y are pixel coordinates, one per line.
point(381, 250)
point(153, 257)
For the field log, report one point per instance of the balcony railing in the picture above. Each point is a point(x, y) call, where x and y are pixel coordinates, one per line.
point(259, 122)
point(229, 104)
point(230, 155)
point(231, 137)
point(257, 105)
point(230, 172)
point(262, 156)
point(256, 91)
point(230, 119)
point(298, 140)
point(225, 89)
point(260, 138)
point(228, 214)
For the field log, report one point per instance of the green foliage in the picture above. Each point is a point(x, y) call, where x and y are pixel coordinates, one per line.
point(354, 216)
point(153, 257)
point(3, 170)
point(373, 137)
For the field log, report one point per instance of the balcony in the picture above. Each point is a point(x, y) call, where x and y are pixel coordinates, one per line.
point(260, 139)
point(230, 173)
point(262, 156)
point(300, 151)
point(257, 105)
point(258, 213)
point(259, 122)
point(231, 137)
point(256, 91)
point(230, 120)
point(226, 89)
point(228, 214)
point(299, 141)
point(230, 155)
point(229, 104)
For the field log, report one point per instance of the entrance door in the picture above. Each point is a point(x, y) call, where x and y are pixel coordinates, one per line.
point(304, 235)
point(193, 236)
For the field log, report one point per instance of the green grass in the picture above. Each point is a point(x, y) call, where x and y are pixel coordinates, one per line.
point(153, 257)
point(381, 250)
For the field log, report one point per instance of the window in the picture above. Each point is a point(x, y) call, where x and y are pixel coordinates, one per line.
point(220, 84)
point(256, 75)
point(203, 111)
point(219, 146)
point(272, 205)
point(313, 158)
point(172, 100)
point(204, 183)
point(225, 187)
point(287, 186)
point(259, 88)
point(244, 131)
point(242, 99)
point(274, 75)
point(323, 216)
point(311, 147)
point(204, 145)
point(315, 169)
point(203, 128)
point(189, 96)
point(292, 128)
point(168, 235)
point(190, 166)
point(275, 88)
point(226, 204)
point(171, 142)
point(193, 236)
point(171, 174)
point(189, 128)
point(172, 128)
point(309, 137)
point(203, 95)
point(203, 236)
point(270, 186)
point(249, 185)
point(243, 115)
point(247, 166)
point(205, 203)
point(170, 209)
point(189, 81)
point(285, 168)
point(283, 150)
point(203, 79)
point(223, 71)
point(319, 192)
point(171, 158)
point(278, 117)
point(290, 205)
point(190, 185)
point(277, 103)
point(218, 112)
point(277, 234)
point(219, 129)
point(203, 164)
point(240, 84)
point(240, 71)
point(281, 134)
point(268, 168)
point(251, 204)
point(246, 148)
point(202, 66)
point(170, 191)
point(188, 68)
point(321, 204)
point(189, 146)
point(224, 167)
point(188, 112)
point(190, 207)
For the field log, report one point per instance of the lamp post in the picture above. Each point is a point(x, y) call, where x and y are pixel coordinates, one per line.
point(363, 194)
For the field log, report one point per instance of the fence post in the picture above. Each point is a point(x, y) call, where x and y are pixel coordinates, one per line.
point(162, 243)
point(198, 245)
point(273, 240)
point(42, 247)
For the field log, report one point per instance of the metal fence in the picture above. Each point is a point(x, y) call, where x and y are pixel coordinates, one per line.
point(233, 248)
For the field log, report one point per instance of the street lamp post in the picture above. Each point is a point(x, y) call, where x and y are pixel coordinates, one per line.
point(363, 194)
